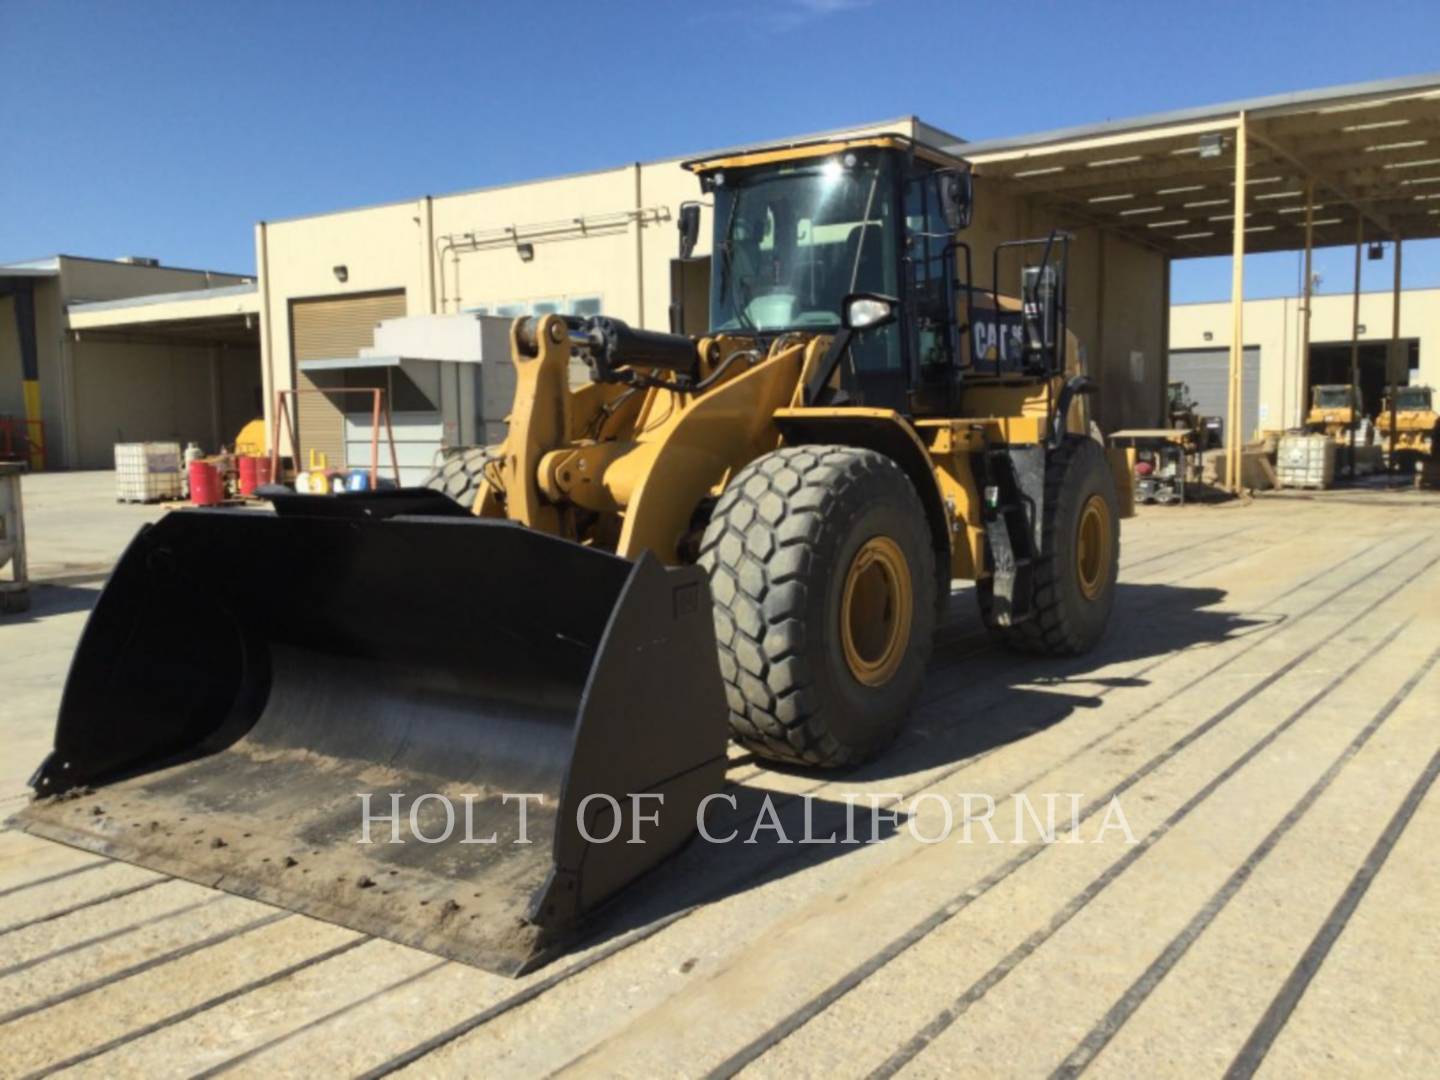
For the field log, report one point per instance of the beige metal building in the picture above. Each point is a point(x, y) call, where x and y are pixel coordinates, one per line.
point(1336, 165)
point(1280, 173)
point(1275, 375)
point(604, 241)
point(74, 357)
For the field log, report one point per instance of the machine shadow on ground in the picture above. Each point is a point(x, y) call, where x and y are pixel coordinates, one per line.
point(48, 601)
point(977, 697)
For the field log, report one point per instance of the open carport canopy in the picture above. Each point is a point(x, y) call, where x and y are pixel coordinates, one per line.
point(1167, 181)
point(227, 314)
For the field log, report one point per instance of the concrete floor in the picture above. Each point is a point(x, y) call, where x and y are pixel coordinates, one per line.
point(1263, 714)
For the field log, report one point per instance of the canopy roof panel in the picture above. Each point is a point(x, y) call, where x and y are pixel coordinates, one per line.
point(226, 313)
point(1371, 151)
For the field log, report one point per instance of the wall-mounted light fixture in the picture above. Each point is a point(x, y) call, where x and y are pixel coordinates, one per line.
point(525, 251)
point(342, 273)
point(1212, 145)
point(1376, 251)
point(1360, 328)
point(1209, 336)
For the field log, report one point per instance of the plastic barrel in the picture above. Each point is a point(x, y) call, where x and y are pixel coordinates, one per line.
point(358, 480)
point(204, 484)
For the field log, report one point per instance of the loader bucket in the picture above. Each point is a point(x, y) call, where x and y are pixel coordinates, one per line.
point(246, 678)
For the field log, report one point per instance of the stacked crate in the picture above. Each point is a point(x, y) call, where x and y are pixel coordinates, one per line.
point(1305, 461)
point(147, 472)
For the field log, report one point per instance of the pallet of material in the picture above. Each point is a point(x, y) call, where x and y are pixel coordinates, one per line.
point(1306, 461)
point(147, 472)
point(1256, 471)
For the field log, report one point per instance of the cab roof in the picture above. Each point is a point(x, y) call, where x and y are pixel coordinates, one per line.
point(821, 148)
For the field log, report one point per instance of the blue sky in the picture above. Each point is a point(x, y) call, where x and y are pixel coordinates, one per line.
point(168, 129)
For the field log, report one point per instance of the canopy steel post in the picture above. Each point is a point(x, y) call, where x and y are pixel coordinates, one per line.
point(1165, 344)
point(1355, 347)
point(1309, 292)
point(1233, 440)
point(1393, 361)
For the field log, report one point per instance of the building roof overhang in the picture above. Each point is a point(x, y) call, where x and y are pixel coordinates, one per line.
point(1368, 154)
point(228, 314)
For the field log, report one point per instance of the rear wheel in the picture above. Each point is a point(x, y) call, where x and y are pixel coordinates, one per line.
point(1079, 563)
point(823, 578)
point(460, 473)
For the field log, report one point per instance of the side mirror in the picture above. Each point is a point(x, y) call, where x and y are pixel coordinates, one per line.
point(957, 197)
point(689, 225)
point(863, 311)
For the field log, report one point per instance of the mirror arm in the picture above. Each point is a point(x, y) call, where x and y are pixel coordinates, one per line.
point(828, 363)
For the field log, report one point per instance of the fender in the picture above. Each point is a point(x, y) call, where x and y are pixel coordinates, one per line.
point(886, 432)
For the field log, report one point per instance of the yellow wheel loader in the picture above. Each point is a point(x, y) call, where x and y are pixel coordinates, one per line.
point(1415, 433)
point(1335, 410)
point(349, 706)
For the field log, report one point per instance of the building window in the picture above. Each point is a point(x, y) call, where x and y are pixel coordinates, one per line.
point(580, 306)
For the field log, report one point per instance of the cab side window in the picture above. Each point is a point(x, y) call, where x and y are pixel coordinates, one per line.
point(927, 276)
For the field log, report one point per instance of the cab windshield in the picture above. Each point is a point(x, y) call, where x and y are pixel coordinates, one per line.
point(795, 239)
point(1416, 399)
point(1332, 397)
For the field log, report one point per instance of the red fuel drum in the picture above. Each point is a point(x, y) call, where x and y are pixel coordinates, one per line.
point(204, 484)
point(246, 465)
point(254, 472)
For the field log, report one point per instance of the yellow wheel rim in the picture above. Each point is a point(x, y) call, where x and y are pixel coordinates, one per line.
point(1092, 547)
point(875, 611)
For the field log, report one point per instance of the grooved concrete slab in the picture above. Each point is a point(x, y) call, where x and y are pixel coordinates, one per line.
point(1251, 754)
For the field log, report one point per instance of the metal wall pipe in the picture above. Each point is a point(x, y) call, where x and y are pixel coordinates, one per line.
point(607, 224)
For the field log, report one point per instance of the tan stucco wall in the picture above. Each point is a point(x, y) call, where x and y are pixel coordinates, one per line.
point(390, 247)
point(1116, 299)
point(49, 350)
point(70, 442)
point(1274, 327)
point(52, 354)
point(12, 400)
point(143, 392)
point(102, 279)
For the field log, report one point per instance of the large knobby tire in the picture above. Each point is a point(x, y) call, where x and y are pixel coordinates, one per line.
point(1079, 563)
point(823, 576)
point(459, 473)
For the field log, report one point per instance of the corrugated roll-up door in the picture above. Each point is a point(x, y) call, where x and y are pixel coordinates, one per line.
point(1207, 371)
point(332, 328)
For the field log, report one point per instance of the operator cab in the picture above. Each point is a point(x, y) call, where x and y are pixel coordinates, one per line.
point(1412, 399)
point(801, 231)
point(1336, 396)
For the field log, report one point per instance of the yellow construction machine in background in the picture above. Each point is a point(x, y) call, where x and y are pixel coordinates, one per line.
point(1336, 410)
point(1415, 434)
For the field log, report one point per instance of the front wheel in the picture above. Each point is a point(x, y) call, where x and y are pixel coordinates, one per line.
point(460, 472)
point(824, 579)
point(1079, 563)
